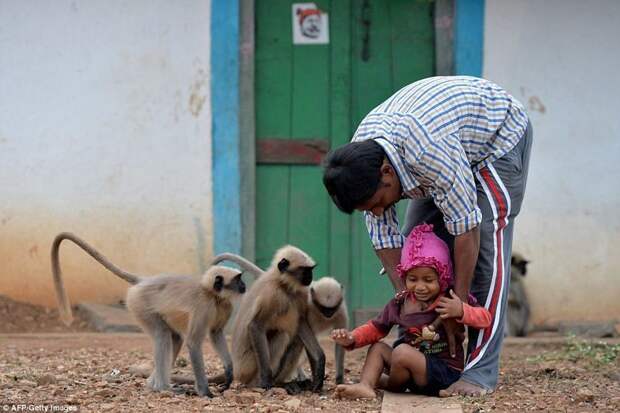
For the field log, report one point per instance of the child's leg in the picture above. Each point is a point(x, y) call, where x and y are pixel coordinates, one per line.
point(407, 363)
point(377, 359)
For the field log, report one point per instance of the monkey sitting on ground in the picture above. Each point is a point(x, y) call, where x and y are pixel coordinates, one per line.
point(171, 309)
point(271, 325)
point(327, 310)
point(518, 305)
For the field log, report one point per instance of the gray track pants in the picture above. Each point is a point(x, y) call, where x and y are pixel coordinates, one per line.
point(500, 188)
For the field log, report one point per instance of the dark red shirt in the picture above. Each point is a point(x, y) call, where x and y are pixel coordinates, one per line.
point(413, 323)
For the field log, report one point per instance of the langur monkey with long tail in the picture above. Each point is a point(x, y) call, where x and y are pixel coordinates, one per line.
point(327, 310)
point(272, 326)
point(172, 309)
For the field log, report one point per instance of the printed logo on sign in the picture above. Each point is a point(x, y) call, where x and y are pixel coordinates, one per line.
point(310, 24)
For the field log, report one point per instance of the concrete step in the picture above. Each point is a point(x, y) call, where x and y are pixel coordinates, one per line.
point(108, 318)
point(408, 402)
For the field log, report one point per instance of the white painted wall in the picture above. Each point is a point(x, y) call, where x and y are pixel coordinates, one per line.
point(105, 130)
point(560, 57)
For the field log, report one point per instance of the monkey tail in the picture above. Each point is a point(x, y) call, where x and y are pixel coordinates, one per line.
point(239, 260)
point(66, 314)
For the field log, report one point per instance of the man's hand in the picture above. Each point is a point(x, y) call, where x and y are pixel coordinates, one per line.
point(450, 307)
point(343, 337)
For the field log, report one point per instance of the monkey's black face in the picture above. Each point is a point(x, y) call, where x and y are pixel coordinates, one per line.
point(303, 274)
point(306, 275)
point(236, 285)
point(520, 265)
point(327, 312)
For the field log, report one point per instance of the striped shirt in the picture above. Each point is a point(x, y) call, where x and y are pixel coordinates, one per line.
point(437, 133)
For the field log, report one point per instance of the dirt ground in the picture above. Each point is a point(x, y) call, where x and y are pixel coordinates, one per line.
point(89, 371)
point(16, 317)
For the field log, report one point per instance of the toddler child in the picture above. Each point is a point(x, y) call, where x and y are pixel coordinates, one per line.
point(420, 360)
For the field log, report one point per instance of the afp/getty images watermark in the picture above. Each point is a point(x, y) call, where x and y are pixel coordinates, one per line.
point(42, 407)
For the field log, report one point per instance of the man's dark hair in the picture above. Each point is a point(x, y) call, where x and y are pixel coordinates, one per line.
point(352, 173)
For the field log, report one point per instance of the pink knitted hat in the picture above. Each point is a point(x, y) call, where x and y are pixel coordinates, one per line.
point(425, 249)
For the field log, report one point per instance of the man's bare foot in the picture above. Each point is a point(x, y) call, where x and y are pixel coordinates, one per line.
point(463, 388)
point(355, 391)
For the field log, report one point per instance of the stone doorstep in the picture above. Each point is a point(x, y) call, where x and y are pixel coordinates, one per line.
point(407, 402)
point(108, 318)
point(601, 329)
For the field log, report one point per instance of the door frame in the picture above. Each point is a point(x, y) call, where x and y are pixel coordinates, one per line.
point(459, 28)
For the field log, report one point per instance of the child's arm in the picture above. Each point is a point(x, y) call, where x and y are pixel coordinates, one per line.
point(369, 333)
point(453, 307)
point(359, 337)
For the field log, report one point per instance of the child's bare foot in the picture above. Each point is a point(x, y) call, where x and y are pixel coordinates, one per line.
point(355, 391)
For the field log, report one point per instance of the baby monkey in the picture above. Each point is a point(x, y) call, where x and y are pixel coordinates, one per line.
point(172, 309)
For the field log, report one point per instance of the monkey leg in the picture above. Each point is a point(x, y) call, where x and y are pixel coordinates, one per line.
point(289, 365)
point(278, 344)
point(289, 361)
point(177, 343)
point(195, 338)
point(219, 342)
point(161, 334)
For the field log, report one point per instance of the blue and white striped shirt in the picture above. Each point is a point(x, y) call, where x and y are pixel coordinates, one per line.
point(437, 133)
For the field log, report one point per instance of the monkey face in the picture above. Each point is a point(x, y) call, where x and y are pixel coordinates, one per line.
point(236, 285)
point(519, 264)
point(224, 281)
point(303, 274)
point(326, 295)
point(326, 311)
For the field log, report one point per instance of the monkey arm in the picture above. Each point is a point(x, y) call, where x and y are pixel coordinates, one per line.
point(315, 353)
point(219, 342)
point(339, 351)
point(239, 260)
point(258, 339)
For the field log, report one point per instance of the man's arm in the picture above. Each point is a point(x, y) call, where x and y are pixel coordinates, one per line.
point(390, 258)
point(466, 248)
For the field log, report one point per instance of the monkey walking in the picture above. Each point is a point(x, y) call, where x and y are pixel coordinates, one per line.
point(172, 309)
point(271, 327)
point(518, 313)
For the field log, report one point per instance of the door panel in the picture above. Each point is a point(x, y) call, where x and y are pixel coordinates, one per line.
point(392, 47)
point(321, 92)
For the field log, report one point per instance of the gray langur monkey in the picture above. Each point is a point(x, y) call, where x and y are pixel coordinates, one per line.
point(172, 309)
point(518, 313)
point(327, 310)
point(271, 327)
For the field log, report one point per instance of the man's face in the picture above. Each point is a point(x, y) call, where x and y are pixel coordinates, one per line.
point(388, 193)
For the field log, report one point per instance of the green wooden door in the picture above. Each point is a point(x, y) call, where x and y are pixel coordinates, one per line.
point(310, 98)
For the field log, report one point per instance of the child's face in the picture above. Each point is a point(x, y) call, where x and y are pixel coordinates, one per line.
point(423, 282)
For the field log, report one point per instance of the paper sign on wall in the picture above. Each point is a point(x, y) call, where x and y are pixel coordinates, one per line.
point(310, 25)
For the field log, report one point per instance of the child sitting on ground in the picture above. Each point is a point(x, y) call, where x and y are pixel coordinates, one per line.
point(420, 360)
